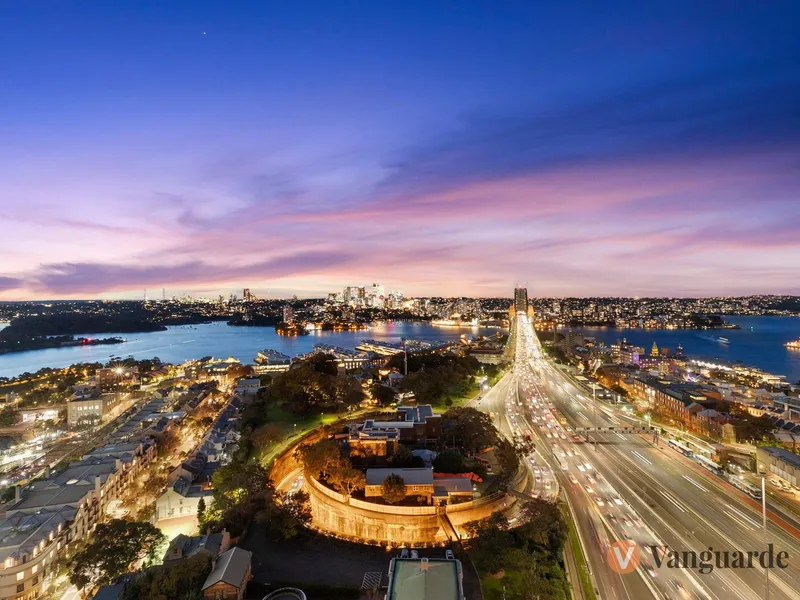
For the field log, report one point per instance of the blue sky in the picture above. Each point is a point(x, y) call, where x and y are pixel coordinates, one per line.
point(436, 147)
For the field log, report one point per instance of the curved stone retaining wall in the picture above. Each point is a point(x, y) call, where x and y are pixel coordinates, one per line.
point(333, 513)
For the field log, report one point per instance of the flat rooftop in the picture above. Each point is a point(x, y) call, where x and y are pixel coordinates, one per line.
point(425, 579)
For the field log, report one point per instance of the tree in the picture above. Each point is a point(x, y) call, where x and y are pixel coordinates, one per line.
point(544, 524)
point(115, 547)
point(321, 458)
point(449, 461)
point(286, 514)
point(201, 510)
point(402, 457)
point(393, 489)
point(507, 456)
point(347, 479)
point(266, 434)
point(382, 394)
point(182, 580)
point(469, 429)
point(490, 538)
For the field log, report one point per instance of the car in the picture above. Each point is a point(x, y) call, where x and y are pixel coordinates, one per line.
point(599, 501)
point(591, 479)
point(581, 468)
point(611, 517)
point(448, 554)
point(588, 489)
point(572, 479)
point(588, 466)
point(547, 484)
point(617, 500)
point(774, 481)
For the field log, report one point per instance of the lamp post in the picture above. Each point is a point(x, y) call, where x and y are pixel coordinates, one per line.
point(594, 402)
point(764, 523)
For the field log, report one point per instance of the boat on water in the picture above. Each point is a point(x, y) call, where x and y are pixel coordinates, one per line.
point(454, 323)
point(715, 338)
point(793, 345)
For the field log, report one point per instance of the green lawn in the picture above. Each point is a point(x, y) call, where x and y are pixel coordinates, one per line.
point(294, 427)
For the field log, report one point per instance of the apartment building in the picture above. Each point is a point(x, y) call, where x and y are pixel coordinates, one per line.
point(49, 514)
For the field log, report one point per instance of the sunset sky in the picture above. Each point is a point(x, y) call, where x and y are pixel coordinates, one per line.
point(437, 147)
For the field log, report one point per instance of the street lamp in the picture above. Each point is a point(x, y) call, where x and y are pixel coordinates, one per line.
point(594, 401)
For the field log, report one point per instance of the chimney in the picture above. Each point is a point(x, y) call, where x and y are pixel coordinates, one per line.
point(118, 464)
point(17, 496)
point(97, 485)
point(47, 472)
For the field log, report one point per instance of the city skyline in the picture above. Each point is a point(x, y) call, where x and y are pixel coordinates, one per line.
point(438, 149)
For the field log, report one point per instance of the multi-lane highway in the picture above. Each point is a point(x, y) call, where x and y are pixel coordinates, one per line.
point(626, 488)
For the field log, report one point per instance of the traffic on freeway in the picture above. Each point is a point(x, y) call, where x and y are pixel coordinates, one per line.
point(637, 489)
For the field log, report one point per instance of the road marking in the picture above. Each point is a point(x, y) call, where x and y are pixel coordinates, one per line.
point(640, 457)
point(745, 517)
point(694, 483)
point(671, 499)
point(739, 521)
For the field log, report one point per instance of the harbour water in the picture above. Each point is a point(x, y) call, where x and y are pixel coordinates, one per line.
point(181, 343)
point(759, 342)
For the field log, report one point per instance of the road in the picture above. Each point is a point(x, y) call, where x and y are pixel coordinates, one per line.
point(651, 494)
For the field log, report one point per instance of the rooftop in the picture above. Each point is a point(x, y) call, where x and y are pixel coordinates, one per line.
point(231, 568)
point(416, 476)
point(424, 579)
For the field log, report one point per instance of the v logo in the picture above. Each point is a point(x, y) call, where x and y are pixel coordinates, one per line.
point(623, 557)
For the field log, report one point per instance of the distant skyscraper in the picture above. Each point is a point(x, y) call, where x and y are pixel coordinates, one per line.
point(521, 300)
point(246, 296)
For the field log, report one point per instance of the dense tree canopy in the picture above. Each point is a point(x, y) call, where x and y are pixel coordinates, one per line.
point(449, 461)
point(469, 429)
point(243, 492)
point(180, 581)
point(527, 559)
point(314, 387)
point(432, 376)
point(115, 547)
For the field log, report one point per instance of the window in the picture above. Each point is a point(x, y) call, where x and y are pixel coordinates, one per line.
point(34, 568)
point(20, 587)
point(21, 575)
